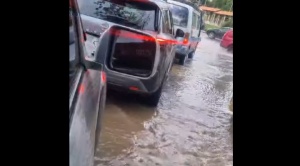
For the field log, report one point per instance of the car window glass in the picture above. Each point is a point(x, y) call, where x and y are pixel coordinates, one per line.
point(171, 21)
point(194, 21)
point(166, 22)
point(198, 22)
point(180, 15)
point(139, 15)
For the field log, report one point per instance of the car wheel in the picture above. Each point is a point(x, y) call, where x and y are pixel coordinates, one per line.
point(182, 59)
point(211, 35)
point(153, 99)
point(191, 55)
point(230, 48)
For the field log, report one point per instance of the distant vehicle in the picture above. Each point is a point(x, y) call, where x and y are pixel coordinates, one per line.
point(137, 43)
point(227, 40)
point(87, 95)
point(217, 33)
point(188, 23)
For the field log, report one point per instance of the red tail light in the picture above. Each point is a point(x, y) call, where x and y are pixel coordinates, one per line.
point(165, 41)
point(161, 41)
point(134, 88)
point(185, 41)
point(81, 89)
point(186, 38)
point(103, 76)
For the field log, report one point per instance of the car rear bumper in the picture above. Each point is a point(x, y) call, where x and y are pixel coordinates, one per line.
point(181, 50)
point(128, 83)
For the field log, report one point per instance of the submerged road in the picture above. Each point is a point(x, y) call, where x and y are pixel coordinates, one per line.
point(191, 126)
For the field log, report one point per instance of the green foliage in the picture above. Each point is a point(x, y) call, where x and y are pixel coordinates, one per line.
point(228, 23)
point(221, 4)
point(208, 26)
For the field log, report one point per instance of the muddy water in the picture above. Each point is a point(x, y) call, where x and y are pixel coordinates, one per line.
point(190, 126)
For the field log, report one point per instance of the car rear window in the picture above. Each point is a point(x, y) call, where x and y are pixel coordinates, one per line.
point(180, 15)
point(135, 14)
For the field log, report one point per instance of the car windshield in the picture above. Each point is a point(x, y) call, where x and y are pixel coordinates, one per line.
point(180, 15)
point(135, 14)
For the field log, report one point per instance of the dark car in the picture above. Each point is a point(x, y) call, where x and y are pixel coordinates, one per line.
point(217, 33)
point(87, 95)
point(137, 43)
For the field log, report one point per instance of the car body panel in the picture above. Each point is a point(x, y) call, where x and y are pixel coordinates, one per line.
point(87, 95)
point(227, 39)
point(194, 37)
point(164, 54)
point(145, 84)
point(83, 121)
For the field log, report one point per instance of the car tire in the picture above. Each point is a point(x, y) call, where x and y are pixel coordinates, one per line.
point(211, 35)
point(182, 59)
point(153, 99)
point(230, 48)
point(191, 55)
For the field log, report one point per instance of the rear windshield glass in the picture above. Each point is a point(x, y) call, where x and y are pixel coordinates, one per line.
point(135, 14)
point(180, 15)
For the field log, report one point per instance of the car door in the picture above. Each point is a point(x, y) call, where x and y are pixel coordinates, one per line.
point(169, 43)
point(221, 32)
point(195, 30)
point(173, 39)
point(85, 88)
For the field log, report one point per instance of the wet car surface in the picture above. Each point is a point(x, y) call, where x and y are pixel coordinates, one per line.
point(190, 126)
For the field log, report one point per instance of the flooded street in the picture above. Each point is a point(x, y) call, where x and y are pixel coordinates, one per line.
point(191, 125)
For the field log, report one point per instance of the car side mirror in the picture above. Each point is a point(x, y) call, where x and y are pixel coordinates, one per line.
point(179, 33)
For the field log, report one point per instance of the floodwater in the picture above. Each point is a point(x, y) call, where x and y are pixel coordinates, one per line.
point(191, 126)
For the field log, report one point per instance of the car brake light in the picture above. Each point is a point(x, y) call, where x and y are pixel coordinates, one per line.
point(81, 89)
point(165, 41)
point(161, 41)
point(103, 76)
point(185, 41)
point(186, 38)
point(134, 88)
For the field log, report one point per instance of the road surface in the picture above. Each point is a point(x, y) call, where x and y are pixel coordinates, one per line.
point(191, 125)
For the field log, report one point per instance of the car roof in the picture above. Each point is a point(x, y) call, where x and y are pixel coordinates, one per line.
point(190, 4)
point(162, 4)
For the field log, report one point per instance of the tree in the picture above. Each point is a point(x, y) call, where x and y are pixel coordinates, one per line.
point(221, 4)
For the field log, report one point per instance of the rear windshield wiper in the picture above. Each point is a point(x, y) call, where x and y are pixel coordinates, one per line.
point(92, 34)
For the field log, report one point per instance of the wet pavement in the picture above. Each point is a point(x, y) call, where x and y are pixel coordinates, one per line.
point(191, 126)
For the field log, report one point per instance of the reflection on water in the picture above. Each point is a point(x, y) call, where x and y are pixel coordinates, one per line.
point(190, 126)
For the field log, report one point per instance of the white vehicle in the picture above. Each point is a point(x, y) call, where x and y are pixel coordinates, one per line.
point(188, 22)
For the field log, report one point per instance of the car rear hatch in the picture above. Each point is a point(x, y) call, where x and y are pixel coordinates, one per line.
point(131, 52)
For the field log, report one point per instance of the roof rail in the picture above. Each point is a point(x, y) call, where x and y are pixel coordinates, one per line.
point(188, 3)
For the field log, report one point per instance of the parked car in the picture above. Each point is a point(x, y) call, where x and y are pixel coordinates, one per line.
point(87, 95)
point(217, 33)
point(188, 22)
point(137, 43)
point(227, 40)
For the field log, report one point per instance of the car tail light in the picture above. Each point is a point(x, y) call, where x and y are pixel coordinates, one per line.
point(81, 89)
point(134, 88)
point(103, 76)
point(142, 37)
point(162, 41)
point(186, 38)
